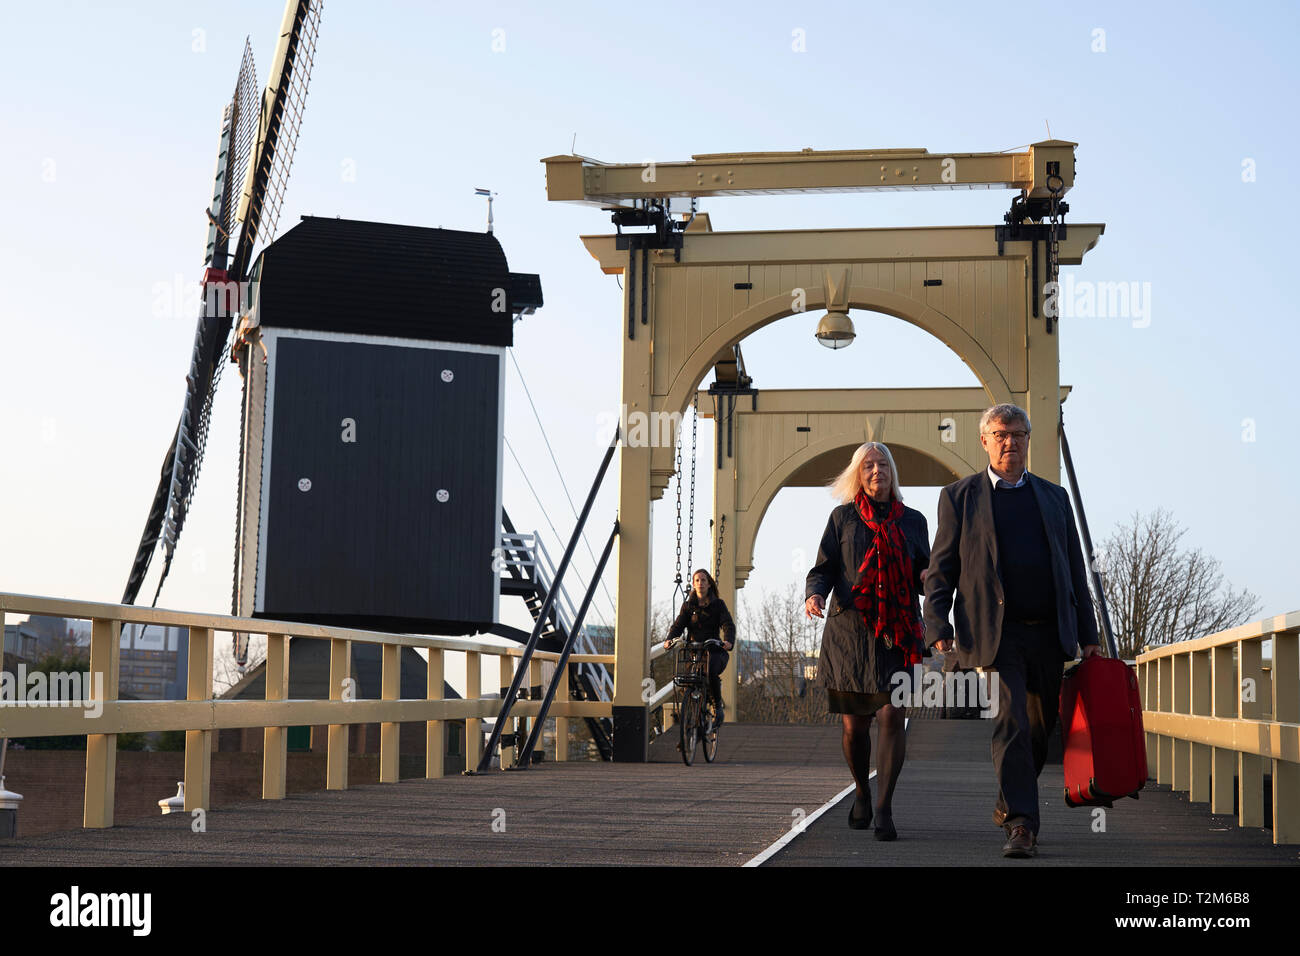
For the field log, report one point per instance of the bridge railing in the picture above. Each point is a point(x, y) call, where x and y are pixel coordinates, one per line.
point(101, 715)
point(1212, 711)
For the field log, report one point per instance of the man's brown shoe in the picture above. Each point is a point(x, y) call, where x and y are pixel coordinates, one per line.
point(1022, 843)
point(999, 818)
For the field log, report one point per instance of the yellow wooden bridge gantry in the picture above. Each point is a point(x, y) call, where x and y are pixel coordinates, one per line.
point(978, 289)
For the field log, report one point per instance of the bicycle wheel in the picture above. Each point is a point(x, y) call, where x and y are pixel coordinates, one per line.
point(710, 732)
point(690, 724)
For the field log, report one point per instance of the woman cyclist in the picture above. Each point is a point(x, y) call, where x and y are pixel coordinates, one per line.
point(704, 616)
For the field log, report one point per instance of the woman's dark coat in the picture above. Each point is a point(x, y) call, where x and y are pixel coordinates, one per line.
point(708, 622)
point(851, 659)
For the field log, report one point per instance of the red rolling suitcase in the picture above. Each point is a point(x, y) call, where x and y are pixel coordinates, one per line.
point(1101, 720)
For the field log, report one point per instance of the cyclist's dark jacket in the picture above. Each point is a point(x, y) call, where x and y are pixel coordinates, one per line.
point(703, 623)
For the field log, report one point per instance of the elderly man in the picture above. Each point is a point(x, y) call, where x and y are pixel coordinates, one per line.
point(1007, 548)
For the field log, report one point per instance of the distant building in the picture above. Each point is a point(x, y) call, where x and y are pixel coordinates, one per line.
point(787, 673)
point(749, 659)
point(20, 644)
point(152, 659)
point(601, 636)
point(40, 635)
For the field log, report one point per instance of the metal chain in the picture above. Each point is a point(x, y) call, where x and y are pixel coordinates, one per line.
point(690, 528)
point(722, 532)
point(678, 580)
point(1053, 244)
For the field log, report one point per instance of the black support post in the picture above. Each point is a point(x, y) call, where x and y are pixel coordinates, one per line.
point(1087, 545)
point(521, 670)
point(524, 760)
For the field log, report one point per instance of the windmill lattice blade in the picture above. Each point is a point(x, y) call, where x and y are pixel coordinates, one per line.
point(295, 105)
point(280, 120)
point(179, 474)
point(244, 122)
point(152, 524)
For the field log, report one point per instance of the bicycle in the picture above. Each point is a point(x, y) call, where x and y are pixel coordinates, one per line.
point(691, 681)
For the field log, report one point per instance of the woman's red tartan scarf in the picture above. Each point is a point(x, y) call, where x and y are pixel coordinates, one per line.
point(884, 590)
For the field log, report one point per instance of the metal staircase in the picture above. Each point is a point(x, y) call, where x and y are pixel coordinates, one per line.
point(527, 571)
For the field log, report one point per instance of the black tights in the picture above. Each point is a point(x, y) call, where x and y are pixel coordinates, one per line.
point(892, 745)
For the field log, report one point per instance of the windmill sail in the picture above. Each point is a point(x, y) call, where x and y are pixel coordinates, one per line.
point(261, 153)
point(283, 104)
point(245, 106)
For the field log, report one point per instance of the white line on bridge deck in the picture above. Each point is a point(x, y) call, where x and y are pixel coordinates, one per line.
point(780, 844)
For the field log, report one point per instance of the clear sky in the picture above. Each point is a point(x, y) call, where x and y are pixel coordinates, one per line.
point(109, 117)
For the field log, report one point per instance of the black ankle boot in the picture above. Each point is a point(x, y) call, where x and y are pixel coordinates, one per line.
point(859, 822)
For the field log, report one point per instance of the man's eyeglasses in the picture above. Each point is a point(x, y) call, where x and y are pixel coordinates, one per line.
point(1000, 436)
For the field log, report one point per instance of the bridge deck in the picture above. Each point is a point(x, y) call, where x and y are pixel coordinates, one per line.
point(662, 811)
point(943, 811)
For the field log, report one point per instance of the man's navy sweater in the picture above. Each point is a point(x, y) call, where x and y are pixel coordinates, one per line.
point(1023, 556)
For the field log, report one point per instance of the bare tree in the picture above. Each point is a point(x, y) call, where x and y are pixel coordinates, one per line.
point(1158, 593)
point(778, 679)
point(226, 673)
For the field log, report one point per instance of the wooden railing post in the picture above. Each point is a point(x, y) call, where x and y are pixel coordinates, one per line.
point(435, 743)
point(101, 749)
point(1250, 767)
point(473, 725)
point(341, 688)
point(562, 723)
point(198, 743)
point(535, 692)
point(390, 731)
point(1286, 708)
point(506, 673)
point(1201, 753)
point(275, 740)
point(1150, 696)
point(1182, 778)
point(1165, 705)
point(1226, 692)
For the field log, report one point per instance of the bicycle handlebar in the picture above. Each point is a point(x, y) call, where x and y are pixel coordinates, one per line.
point(711, 643)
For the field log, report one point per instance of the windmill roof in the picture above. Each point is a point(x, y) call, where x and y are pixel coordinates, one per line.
point(376, 278)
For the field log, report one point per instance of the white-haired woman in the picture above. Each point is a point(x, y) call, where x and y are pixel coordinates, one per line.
point(870, 565)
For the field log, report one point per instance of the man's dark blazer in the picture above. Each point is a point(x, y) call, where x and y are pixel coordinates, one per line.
point(964, 566)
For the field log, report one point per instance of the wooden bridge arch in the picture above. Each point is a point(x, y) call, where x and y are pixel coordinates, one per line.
point(684, 309)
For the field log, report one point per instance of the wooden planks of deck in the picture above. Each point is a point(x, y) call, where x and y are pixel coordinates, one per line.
point(664, 813)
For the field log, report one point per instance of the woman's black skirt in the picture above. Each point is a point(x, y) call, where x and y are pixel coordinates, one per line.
point(851, 702)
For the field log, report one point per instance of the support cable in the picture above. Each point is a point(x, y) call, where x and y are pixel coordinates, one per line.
point(563, 485)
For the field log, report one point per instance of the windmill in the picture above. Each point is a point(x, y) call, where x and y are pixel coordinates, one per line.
point(254, 156)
